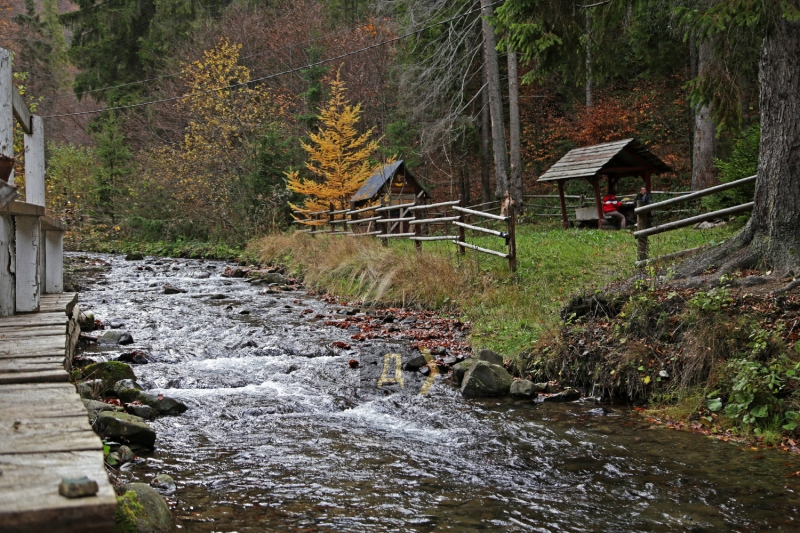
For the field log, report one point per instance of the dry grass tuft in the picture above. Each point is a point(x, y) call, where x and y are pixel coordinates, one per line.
point(365, 270)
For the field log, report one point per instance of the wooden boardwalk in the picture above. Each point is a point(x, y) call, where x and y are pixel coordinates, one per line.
point(44, 428)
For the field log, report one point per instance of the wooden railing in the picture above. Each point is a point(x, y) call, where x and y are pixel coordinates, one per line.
point(413, 221)
point(31, 243)
point(644, 231)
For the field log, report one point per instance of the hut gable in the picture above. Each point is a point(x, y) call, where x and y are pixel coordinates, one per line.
point(393, 178)
point(628, 157)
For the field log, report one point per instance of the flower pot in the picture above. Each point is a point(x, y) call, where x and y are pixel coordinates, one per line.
point(6, 166)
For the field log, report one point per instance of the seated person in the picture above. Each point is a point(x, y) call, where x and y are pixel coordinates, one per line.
point(643, 197)
point(610, 206)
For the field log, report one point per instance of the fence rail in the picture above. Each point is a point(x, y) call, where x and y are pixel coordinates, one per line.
point(644, 231)
point(411, 220)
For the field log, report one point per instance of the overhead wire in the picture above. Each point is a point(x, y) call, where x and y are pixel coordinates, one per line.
point(277, 74)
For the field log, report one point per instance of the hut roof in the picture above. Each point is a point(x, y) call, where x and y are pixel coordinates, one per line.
point(383, 175)
point(626, 157)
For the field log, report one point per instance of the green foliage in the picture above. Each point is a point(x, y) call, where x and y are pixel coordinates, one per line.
point(713, 300)
point(742, 163)
point(128, 510)
point(115, 166)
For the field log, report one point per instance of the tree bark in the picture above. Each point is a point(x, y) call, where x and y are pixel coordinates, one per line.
point(589, 88)
point(486, 186)
point(515, 168)
point(465, 185)
point(495, 102)
point(705, 142)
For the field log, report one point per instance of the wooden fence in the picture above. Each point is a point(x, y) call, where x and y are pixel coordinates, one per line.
point(416, 222)
point(644, 231)
point(31, 243)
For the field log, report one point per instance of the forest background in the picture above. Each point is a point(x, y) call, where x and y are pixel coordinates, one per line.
point(131, 157)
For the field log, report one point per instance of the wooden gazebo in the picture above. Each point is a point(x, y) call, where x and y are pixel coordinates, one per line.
point(615, 160)
point(394, 180)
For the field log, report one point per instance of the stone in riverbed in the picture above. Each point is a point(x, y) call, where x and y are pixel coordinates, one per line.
point(161, 403)
point(109, 371)
point(142, 411)
point(126, 428)
point(523, 388)
point(115, 323)
point(127, 390)
point(486, 379)
point(115, 336)
point(490, 357)
point(77, 487)
point(170, 289)
point(93, 408)
point(140, 509)
point(125, 454)
point(134, 256)
point(163, 483)
point(461, 369)
point(568, 395)
point(415, 363)
point(93, 388)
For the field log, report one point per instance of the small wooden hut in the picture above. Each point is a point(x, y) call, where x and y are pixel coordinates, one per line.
point(613, 160)
point(398, 185)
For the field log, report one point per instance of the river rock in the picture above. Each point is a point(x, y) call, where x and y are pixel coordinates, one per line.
point(523, 388)
point(113, 459)
point(136, 357)
point(486, 379)
point(93, 408)
point(110, 372)
point(134, 256)
point(568, 395)
point(490, 357)
point(142, 411)
point(127, 390)
point(164, 484)
point(415, 363)
point(115, 323)
point(161, 403)
point(140, 509)
point(115, 336)
point(126, 428)
point(171, 289)
point(273, 277)
point(92, 388)
point(125, 454)
point(460, 369)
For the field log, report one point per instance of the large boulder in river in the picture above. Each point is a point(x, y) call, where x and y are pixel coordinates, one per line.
point(109, 371)
point(163, 404)
point(567, 395)
point(115, 337)
point(460, 370)
point(125, 428)
point(486, 379)
point(94, 408)
point(127, 390)
point(523, 388)
point(490, 357)
point(140, 509)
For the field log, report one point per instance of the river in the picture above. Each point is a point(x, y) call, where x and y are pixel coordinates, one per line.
point(283, 435)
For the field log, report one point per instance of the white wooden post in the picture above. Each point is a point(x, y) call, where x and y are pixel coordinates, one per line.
point(7, 256)
point(34, 163)
point(54, 262)
point(28, 287)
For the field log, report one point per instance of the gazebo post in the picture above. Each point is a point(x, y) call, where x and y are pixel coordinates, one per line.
point(564, 221)
point(598, 202)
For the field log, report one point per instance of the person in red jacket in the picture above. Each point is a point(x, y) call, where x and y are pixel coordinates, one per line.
point(610, 206)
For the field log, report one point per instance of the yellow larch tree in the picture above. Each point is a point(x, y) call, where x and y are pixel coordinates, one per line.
point(338, 156)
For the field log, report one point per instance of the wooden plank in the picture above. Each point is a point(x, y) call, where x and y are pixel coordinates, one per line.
point(35, 319)
point(480, 214)
point(39, 376)
point(479, 249)
point(32, 346)
point(53, 224)
point(435, 238)
point(433, 220)
point(21, 111)
point(29, 499)
point(55, 303)
point(694, 195)
point(34, 161)
point(29, 286)
point(364, 234)
point(395, 220)
point(360, 220)
point(694, 220)
point(397, 235)
point(431, 206)
point(16, 208)
point(398, 206)
point(481, 229)
point(21, 332)
point(34, 364)
point(362, 210)
point(67, 434)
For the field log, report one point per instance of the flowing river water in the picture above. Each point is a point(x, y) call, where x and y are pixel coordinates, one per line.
point(282, 435)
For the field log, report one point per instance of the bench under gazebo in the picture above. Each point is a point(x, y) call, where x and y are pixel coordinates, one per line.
point(614, 160)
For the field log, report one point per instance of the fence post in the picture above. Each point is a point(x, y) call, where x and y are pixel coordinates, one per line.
point(331, 219)
point(8, 286)
point(642, 220)
point(417, 227)
point(512, 238)
point(384, 225)
point(34, 163)
point(462, 232)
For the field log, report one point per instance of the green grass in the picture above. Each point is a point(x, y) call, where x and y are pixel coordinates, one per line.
point(508, 312)
point(186, 249)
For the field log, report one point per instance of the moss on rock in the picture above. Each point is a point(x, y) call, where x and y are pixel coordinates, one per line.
point(109, 371)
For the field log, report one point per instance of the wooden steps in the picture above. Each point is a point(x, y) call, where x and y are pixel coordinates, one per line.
point(44, 428)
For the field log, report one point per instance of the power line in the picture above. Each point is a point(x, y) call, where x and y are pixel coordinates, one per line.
point(277, 74)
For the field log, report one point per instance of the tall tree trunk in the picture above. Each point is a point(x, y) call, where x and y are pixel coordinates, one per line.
point(705, 142)
point(486, 186)
point(515, 168)
point(692, 75)
point(495, 102)
point(775, 222)
point(465, 185)
point(589, 88)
